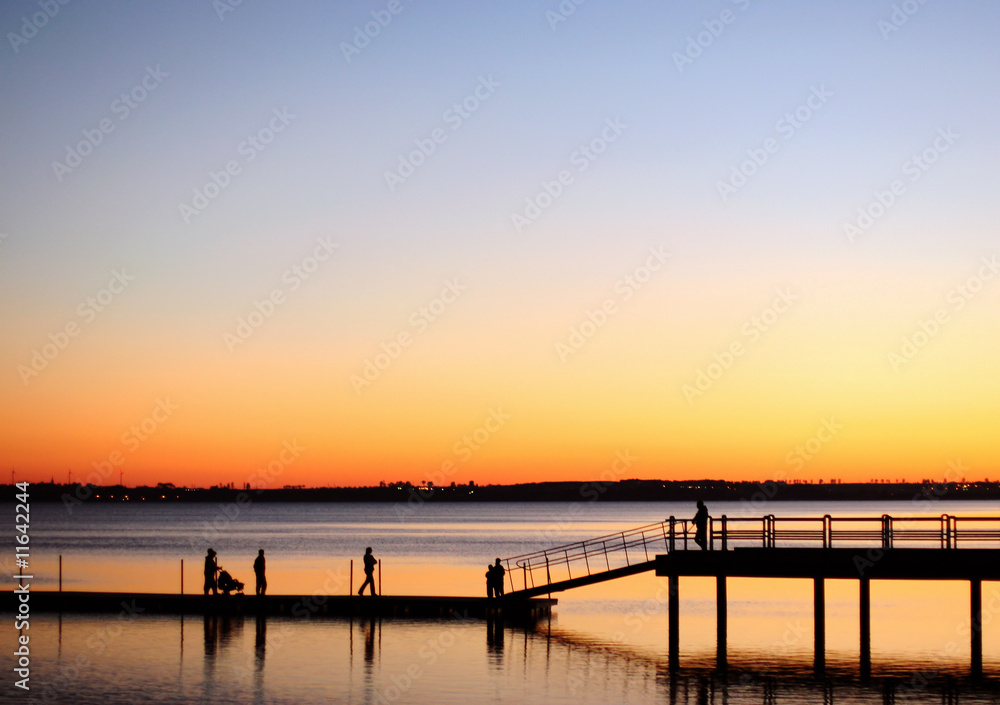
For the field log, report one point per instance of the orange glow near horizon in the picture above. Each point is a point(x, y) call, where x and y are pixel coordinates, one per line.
point(479, 403)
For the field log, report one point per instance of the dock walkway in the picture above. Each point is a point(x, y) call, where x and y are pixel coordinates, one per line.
point(301, 606)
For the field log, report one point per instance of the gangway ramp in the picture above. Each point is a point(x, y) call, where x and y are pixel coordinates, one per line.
point(592, 561)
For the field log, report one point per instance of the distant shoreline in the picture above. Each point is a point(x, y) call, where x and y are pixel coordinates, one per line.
point(587, 491)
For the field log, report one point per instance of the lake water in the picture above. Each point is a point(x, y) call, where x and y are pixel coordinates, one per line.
point(605, 643)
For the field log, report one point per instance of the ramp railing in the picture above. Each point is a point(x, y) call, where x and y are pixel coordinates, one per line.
point(627, 549)
point(599, 555)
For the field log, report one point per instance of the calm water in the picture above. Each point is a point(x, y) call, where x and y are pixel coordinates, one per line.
point(605, 643)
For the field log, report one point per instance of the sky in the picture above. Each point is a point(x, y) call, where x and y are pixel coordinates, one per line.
point(333, 244)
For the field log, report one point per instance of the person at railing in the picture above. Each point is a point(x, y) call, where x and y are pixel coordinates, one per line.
point(700, 522)
point(498, 574)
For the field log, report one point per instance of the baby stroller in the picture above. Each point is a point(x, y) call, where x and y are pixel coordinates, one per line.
point(228, 583)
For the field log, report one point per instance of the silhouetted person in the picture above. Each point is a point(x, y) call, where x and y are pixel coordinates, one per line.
point(211, 568)
point(258, 570)
point(700, 522)
point(489, 581)
point(498, 573)
point(369, 572)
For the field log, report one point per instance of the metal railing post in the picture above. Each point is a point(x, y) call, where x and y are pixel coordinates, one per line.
point(673, 535)
point(725, 540)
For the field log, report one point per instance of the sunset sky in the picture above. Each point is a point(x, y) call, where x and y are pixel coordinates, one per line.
point(499, 241)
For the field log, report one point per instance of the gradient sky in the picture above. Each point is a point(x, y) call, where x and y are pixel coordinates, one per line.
point(491, 384)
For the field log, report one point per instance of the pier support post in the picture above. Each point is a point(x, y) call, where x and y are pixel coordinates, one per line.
point(865, 618)
point(976, 624)
point(721, 621)
point(673, 623)
point(819, 623)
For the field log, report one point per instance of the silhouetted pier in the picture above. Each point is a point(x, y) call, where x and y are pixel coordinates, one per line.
point(867, 548)
point(301, 606)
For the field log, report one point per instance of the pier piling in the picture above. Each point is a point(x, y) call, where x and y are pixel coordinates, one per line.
point(819, 623)
point(976, 624)
point(721, 621)
point(865, 626)
point(673, 619)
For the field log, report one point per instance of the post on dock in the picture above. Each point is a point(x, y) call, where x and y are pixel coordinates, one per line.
point(865, 617)
point(976, 624)
point(819, 623)
point(721, 621)
point(380, 577)
point(60, 572)
point(673, 623)
point(350, 586)
point(182, 576)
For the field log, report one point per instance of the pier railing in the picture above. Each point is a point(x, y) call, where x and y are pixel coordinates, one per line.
point(634, 547)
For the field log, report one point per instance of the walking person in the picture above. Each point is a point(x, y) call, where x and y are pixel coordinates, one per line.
point(211, 568)
point(370, 563)
point(258, 571)
point(700, 522)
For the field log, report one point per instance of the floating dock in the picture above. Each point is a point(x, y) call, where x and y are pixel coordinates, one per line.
point(301, 606)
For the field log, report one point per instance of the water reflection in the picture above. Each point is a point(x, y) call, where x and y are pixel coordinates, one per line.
point(494, 639)
point(286, 660)
point(260, 642)
point(221, 633)
point(621, 673)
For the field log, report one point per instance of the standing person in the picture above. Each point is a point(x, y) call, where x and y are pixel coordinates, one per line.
point(498, 573)
point(258, 570)
point(489, 581)
point(369, 571)
point(700, 522)
point(211, 568)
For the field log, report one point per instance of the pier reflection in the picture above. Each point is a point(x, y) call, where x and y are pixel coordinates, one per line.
point(612, 672)
point(288, 660)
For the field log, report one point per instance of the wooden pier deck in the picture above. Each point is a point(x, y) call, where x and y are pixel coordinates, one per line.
point(818, 564)
point(301, 606)
point(868, 548)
